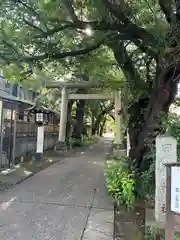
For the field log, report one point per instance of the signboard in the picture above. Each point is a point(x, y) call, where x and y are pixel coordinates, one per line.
point(40, 139)
point(175, 189)
point(166, 152)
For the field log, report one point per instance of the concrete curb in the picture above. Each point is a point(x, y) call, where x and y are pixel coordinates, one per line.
point(11, 185)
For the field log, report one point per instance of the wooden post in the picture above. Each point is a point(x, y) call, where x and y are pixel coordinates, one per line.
point(10, 140)
point(169, 225)
point(172, 199)
point(14, 138)
point(63, 115)
point(1, 132)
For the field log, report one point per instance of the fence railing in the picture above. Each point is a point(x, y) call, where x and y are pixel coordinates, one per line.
point(25, 138)
point(26, 128)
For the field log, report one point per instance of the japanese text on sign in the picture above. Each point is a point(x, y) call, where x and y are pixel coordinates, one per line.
point(175, 189)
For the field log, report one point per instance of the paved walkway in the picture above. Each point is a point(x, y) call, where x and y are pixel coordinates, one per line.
point(66, 201)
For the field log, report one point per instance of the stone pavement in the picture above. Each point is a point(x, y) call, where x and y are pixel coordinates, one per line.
point(65, 201)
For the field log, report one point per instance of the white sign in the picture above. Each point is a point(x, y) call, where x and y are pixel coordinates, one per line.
point(40, 139)
point(175, 189)
point(166, 152)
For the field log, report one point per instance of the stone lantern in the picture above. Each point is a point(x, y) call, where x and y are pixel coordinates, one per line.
point(41, 118)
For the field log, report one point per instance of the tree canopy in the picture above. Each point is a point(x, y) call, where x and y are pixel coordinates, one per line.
point(134, 42)
point(51, 30)
point(38, 33)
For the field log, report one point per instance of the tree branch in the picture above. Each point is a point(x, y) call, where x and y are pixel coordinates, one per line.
point(28, 7)
point(177, 11)
point(31, 9)
point(60, 55)
point(10, 46)
point(54, 30)
point(133, 33)
point(33, 26)
point(95, 25)
point(144, 48)
point(166, 7)
point(148, 70)
point(132, 29)
point(128, 29)
point(112, 116)
point(125, 62)
point(69, 6)
point(117, 10)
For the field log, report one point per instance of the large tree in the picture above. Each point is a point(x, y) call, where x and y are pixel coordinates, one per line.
point(143, 36)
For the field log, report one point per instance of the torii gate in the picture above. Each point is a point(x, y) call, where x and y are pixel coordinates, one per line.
point(65, 96)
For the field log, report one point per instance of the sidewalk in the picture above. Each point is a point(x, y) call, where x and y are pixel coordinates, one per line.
point(65, 201)
point(11, 177)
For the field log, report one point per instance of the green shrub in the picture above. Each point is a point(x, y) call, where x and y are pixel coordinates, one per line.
point(125, 186)
point(89, 139)
point(145, 182)
point(153, 232)
point(120, 182)
point(75, 142)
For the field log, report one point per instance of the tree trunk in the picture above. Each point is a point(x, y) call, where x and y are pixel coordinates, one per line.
point(92, 125)
point(135, 125)
point(102, 127)
point(79, 125)
point(160, 95)
point(97, 124)
point(85, 132)
point(100, 118)
point(165, 89)
point(160, 99)
point(69, 118)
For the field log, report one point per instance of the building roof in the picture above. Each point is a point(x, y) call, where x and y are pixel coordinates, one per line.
point(6, 96)
point(9, 98)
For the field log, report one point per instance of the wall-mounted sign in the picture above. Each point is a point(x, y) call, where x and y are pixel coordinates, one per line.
point(175, 189)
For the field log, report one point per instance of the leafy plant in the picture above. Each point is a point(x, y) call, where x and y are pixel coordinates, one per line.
point(76, 142)
point(153, 233)
point(145, 182)
point(89, 140)
point(120, 182)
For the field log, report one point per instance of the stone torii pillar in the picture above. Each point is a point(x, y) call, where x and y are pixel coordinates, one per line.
point(119, 150)
point(118, 118)
point(63, 119)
